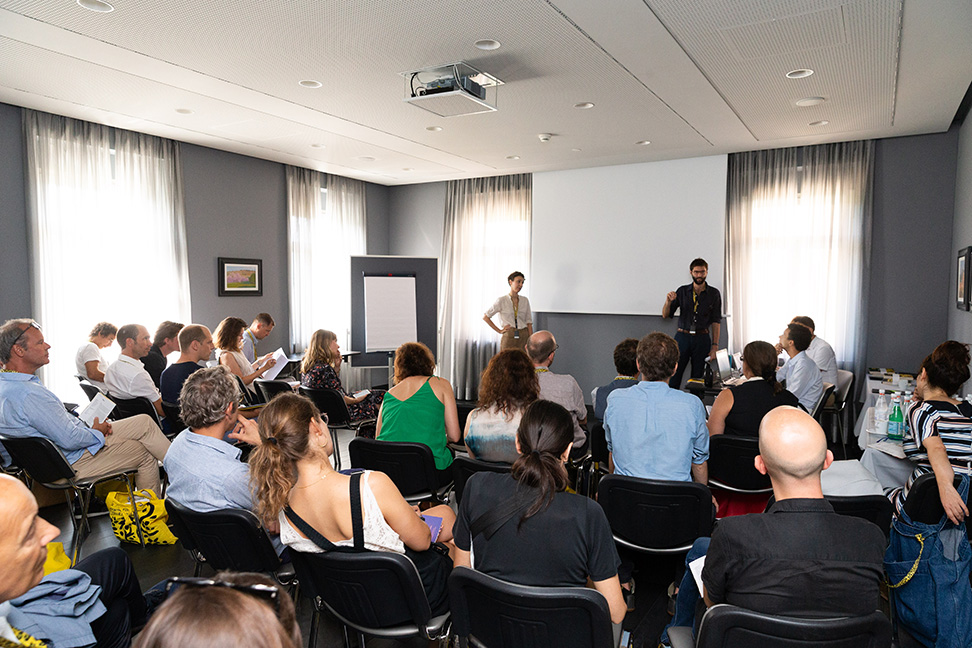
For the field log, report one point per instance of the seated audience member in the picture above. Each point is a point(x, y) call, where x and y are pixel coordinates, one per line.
point(508, 386)
point(420, 407)
point(739, 410)
point(941, 432)
point(196, 343)
point(820, 351)
point(205, 471)
point(798, 559)
point(559, 388)
point(320, 368)
point(126, 377)
point(294, 483)
point(800, 374)
point(652, 430)
point(229, 337)
point(28, 409)
point(260, 328)
point(626, 364)
point(97, 602)
point(232, 609)
point(89, 362)
point(166, 341)
point(555, 538)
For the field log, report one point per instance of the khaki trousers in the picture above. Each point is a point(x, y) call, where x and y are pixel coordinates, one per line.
point(134, 442)
point(508, 341)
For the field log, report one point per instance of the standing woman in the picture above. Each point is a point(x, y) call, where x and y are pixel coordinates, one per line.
point(515, 315)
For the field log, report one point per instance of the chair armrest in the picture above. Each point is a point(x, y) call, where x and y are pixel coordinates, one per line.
point(681, 637)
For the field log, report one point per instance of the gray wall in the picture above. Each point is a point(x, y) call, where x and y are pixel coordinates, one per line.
point(415, 218)
point(960, 322)
point(14, 257)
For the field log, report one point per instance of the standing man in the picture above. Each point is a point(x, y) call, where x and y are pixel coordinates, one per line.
point(126, 377)
point(260, 328)
point(166, 341)
point(699, 306)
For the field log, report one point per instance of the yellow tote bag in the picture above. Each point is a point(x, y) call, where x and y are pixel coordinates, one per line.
point(57, 560)
point(151, 516)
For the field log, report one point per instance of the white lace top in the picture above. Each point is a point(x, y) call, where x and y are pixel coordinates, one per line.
point(378, 536)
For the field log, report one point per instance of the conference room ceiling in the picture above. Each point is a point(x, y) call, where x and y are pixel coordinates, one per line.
point(692, 77)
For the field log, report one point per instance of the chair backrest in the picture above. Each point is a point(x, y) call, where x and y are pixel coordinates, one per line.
point(174, 416)
point(923, 503)
point(270, 388)
point(410, 465)
point(494, 613)
point(873, 508)
point(179, 527)
point(370, 589)
point(655, 516)
point(38, 457)
point(127, 407)
point(731, 464)
point(330, 402)
point(463, 408)
point(229, 538)
point(728, 626)
point(818, 409)
point(465, 467)
point(89, 390)
point(845, 381)
point(246, 396)
point(599, 449)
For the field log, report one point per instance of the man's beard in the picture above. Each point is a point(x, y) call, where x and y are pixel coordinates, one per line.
point(698, 281)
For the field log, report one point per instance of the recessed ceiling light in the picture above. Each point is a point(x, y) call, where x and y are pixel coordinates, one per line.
point(822, 122)
point(643, 143)
point(96, 5)
point(309, 83)
point(802, 73)
point(434, 129)
point(810, 101)
point(184, 111)
point(366, 158)
point(584, 105)
point(317, 146)
point(487, 44)
point(576, 150)
point(512, 157)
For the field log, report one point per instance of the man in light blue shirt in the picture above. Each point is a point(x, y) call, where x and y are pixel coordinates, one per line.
point(260, 328)
point(652, 430)
point(205, 472)
point(800, 373)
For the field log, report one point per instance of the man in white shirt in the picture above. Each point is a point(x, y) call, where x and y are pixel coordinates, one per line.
point(126, 377)
point(800, 373)
point(820, 351)
point(559, 388)
point(260, 328)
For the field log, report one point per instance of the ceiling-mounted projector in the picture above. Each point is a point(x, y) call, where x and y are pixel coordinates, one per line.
point(451, 90)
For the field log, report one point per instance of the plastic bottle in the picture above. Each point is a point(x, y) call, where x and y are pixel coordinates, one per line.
point(881, 414)
point(906, 405)
point(896, 420)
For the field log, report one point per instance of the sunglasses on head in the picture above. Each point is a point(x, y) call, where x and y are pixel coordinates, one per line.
point(268, 593)
point(32, 324)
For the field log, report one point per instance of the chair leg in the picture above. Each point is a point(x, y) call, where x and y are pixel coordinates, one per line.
point(138, 522)
point(80, 525)
point(337, 449)
point(315, 623)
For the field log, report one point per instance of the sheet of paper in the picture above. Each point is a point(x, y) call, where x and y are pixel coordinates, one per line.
point(100, 407)
point(892, 448)
point(363, 392)
point(275, 370)
point(696, 567)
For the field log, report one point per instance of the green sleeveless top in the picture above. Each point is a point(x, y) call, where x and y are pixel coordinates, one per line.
point(418, 419)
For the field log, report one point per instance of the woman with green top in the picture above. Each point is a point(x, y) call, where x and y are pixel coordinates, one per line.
point(420, 408)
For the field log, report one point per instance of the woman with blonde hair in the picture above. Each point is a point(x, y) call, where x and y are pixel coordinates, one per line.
point(320, 368)
point(228, 339)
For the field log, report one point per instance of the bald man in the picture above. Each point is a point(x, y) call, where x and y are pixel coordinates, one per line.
point(96, 603)
point(799, 558)
point(559, 388)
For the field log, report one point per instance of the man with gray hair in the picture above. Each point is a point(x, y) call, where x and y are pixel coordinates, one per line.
point(560, 388)
point(28, 409)
point(205, 471)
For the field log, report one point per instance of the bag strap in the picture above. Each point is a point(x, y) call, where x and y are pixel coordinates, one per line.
point(493, 520)
point(357, 522)
point(914, 568)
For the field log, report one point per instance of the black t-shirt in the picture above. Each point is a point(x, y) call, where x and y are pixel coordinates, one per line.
point(750, 403)
point(173, 377)
point(558, 547)
point(798, 559)
point(154, 364)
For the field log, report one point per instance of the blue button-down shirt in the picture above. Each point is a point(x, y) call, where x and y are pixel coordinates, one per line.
point(656, 432)
point(29, 409)
point(803, 379)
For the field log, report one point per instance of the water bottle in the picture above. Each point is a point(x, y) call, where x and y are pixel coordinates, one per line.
point(881, 414)
point(906, 405)
point(896, 420)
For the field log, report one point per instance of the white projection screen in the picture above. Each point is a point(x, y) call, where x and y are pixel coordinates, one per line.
point(390, 315)
point(615, 240)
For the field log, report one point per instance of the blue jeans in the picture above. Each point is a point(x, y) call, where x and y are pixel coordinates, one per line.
point(688, 592)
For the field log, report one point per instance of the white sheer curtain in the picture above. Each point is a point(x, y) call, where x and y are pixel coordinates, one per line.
point(799, 243)
point(326, 225)
point(107, 232)
point(486, 237)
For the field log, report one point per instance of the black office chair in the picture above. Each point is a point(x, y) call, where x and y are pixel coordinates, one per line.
point(494, 613)
point(174, 416)
point(924, 504)
point(128, 407)
point(465, 467)
point(46, 464)
point(410, 465)
point(731, 465)
point(376, 593)
point(270, 388)
point(873, 508)
point(818, 409)
point(842, 391)
point(331, 402)
point(228, 539)
point(728, 626)
point(89, 390)
point(654, 516)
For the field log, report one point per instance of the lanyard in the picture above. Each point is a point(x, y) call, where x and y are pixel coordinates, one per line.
point(541, 369)
point(516, 310)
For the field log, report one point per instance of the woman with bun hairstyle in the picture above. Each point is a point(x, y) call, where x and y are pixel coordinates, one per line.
point(739, 410)
point(941, 432)
point(294, 485)
point(549, 537)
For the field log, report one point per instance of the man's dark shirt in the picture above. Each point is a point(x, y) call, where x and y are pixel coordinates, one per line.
point(799, 559)
point(173, 377)
point(709, 308)
point(155, 364)
point(601, 396)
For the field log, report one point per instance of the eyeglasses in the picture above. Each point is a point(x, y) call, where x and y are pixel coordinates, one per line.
point(32, 324)
point(268, 593)
point(324, 417)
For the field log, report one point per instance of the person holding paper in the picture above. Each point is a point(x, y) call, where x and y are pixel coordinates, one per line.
point(515, 315)
point(260, 328)
point(229, 341)
point(320, 368)
point(296, 487)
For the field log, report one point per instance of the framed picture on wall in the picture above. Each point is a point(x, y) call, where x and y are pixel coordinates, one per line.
point(963, 278)
point(240, 277)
